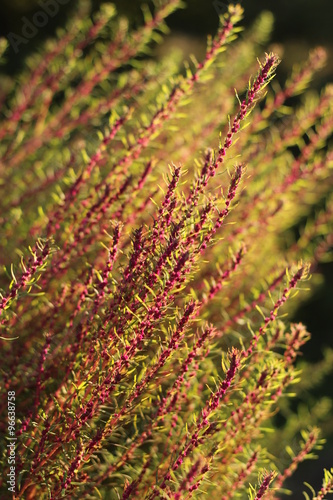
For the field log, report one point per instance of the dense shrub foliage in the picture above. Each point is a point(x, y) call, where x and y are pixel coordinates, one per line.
point(146, 261)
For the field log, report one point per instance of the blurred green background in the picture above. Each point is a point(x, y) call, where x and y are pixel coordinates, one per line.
point(299, 26)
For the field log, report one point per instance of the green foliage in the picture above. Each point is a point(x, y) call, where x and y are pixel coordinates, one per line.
point(150, 346)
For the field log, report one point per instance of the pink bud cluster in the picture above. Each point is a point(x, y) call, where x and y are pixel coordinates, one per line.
point(33, 264)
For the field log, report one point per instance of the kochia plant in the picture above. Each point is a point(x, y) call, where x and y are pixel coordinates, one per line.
point(141, 331)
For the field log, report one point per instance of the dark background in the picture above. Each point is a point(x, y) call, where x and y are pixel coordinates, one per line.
point(299, 26)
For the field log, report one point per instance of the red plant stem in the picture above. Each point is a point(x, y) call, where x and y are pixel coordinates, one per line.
point(126, 51)
point(164, 111)
point(203, 471)
point(165, 354)
point(105, 273)
point(290, 135)
point(187, 481)
point(287, 184)
point(132, 488)
point(210, 406)
point(89, 407)
point(264, 487)
point(164, 407)
point(175, 277)
point(256, 398)
point(103, 393)
point(69, 475)
point(323, 131)
point(41, 369)
point(242, 475)
point(36, 85)
point(249, 410)
point(298, 80)
point(273, 313)
point(56, 217)
point(306, 449)
point(33, 264)
point(252, 306)
point(209, 169)
point(327, 488)
point(31, 89)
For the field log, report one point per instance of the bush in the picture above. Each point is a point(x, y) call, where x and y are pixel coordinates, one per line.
point(144, 350)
